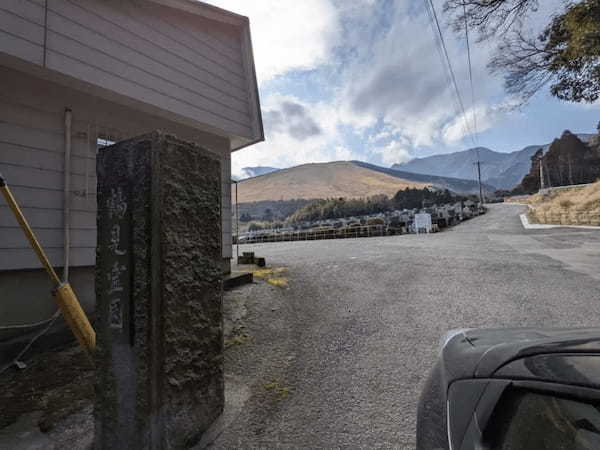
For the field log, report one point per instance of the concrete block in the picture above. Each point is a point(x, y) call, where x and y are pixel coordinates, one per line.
point(260, 262)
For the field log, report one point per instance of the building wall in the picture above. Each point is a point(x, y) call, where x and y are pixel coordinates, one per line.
point(27, 299)
point(32, 160)
point(178, 62)
point(124, 68)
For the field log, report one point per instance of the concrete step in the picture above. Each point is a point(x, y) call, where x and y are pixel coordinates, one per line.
point(235, 279)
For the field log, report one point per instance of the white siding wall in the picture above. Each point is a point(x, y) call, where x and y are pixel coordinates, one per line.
point(32, 159)
point(178, 62)
point(21, 30)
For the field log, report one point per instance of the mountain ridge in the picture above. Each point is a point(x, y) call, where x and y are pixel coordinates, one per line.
point(255, 171)
point(503, 170)
point(348, 179)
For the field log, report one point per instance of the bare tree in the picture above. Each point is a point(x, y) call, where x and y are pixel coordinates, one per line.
point(489, 17)
point(524, 63)
point(565, 55)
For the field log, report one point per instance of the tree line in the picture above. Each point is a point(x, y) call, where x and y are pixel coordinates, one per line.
point(335, 208)
point(568, 161)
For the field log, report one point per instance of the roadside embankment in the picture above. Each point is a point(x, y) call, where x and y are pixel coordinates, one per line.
point(570, 206)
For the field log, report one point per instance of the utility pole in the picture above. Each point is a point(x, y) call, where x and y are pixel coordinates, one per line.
point(478, 164)
point(541, 172)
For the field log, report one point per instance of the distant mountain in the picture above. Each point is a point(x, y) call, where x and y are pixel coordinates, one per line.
point(501, 170)
point(249, 172)
point(349, 179)
point(321, 180)
point(457, 185)
point(511, 171)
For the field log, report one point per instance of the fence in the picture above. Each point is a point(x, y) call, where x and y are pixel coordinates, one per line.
point(329, 233)
point(333, 233)
point(565, 217)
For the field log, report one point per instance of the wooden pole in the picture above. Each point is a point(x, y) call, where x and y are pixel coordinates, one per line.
point(63, 293)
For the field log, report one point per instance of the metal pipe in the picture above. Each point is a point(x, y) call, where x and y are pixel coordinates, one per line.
point(67, 196)
point(237, 221)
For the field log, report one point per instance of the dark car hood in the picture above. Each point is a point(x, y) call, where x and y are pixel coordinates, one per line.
point(478, 353)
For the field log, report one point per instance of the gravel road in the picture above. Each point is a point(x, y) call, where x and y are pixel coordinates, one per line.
point(337, 359)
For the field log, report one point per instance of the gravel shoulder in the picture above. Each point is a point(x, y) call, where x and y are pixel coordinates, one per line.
point(330, 347)
point(338, 357)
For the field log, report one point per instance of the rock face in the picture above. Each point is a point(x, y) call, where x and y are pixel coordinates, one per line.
point(159, 294)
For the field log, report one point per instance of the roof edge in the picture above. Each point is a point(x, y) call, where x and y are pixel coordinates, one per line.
point(205, 10)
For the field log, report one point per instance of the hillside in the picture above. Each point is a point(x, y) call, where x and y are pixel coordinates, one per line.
point(501, 170)
point(578, 198)
point(568, 161)
point(457, 185)
point(249, 172)
point(322, 180)
point(570, 206)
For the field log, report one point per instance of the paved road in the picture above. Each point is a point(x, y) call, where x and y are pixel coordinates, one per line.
point(356, 331)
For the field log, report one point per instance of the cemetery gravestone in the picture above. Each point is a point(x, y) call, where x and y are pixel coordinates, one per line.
point(159, 294)
point(423, 221)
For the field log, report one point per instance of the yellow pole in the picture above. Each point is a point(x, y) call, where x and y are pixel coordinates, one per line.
point(64, 295)
point(27, 230)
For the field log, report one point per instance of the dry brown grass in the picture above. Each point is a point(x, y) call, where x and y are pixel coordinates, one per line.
point(581, 199)
point(568, 206)
point(325, 180)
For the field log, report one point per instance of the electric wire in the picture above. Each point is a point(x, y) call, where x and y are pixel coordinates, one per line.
point(438, 47)
point(16, 360)
point(27, 325)
point(470, 68)
point(447, 59)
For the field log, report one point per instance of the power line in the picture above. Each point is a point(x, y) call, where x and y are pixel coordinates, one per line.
point(447, 59)
point(438, 47)
point(470, 67)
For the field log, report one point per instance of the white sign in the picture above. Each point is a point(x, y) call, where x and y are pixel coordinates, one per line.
point(423, 221)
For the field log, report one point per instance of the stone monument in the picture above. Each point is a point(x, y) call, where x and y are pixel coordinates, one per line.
point(159, 294)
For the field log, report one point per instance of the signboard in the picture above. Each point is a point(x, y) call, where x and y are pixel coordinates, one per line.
point(423, 221)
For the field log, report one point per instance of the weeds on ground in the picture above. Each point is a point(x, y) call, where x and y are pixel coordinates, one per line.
point(237, 340)
point(280, 391)
point(273, 276)
point(585, 198)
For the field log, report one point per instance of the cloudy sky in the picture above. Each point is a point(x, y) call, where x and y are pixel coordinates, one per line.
point(362, 79)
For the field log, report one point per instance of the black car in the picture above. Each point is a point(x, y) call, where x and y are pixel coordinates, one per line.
point(513, 389)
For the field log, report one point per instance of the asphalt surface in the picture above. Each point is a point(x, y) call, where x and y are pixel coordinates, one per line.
point(337, 359)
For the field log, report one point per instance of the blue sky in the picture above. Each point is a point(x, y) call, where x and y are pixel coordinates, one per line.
point(362, 79)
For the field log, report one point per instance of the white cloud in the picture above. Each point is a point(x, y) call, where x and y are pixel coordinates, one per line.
point(288, 35)
point(284, 148)
point(393, 153)
point(401, 81)
point(378, 63)
point(486, 117)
